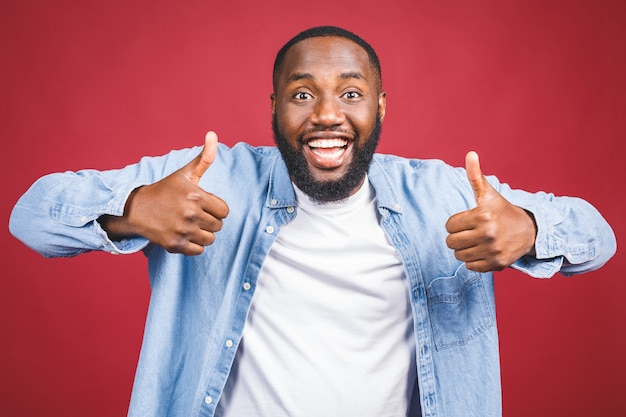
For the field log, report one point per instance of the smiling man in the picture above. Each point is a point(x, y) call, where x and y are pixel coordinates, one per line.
point(327, 110)
point(316, 278)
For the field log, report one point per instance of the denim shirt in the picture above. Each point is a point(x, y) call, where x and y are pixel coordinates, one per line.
point(199, 304)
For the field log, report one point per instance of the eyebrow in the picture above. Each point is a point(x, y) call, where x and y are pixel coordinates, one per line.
point(301, 76)
point(348, 75)
point(308, 76)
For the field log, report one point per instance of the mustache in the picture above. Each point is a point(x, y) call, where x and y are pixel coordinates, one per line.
point(334, 129)
point(339, 129)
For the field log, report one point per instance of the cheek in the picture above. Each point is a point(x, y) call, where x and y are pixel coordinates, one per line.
point(291, 120)
point(364, 123)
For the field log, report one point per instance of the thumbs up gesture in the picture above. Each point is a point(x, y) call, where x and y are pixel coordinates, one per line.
point(174, 213)
point(494, 234)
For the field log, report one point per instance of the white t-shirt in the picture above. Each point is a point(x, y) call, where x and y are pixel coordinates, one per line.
point(330, 330)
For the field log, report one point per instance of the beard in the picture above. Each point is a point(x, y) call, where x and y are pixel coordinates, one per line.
point(330, 190)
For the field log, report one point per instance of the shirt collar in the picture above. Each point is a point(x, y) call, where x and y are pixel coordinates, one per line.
point(386, 190)
point(281, 194)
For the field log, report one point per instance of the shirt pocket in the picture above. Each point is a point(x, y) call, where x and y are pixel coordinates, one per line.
point(459, 308)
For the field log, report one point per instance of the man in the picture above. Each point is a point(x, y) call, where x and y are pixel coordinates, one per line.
point(371, 274)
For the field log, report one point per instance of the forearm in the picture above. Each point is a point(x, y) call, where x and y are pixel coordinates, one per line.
point(573, 230)
point(572, 236)
point(57, 216)
point(119, 227)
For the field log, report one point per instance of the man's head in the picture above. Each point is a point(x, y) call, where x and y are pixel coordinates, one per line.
point(327, 110)
point(325, 31)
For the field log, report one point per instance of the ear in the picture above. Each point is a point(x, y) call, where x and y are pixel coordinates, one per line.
point(273, 98)
point(382, 105)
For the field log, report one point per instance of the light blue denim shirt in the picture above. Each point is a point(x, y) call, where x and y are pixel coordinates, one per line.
point(199, 304)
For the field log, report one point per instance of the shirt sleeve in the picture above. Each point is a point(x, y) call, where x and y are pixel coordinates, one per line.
point(57, 216)
point(572, 236)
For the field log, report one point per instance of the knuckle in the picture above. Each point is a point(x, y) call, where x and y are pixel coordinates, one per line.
point(460, 256)
point(196, 250)
point(219, 207)
point(480, 267)
point(194, 195)
point(216, 225)
point(499, 263)
point(190, 213)
point(489, 233)
point(210, 239)
point(472, 266)
point(175, 246)
point(484, 216)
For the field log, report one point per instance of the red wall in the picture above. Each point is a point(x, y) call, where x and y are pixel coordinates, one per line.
point(536, 86)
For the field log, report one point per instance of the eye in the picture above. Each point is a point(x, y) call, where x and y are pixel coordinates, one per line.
point(302, 95)
point(351, 95)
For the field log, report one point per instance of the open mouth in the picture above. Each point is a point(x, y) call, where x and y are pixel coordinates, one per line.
point(328, 148)
point(328, 152)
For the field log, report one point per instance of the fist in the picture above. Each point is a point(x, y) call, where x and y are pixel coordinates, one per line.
point(494, 234)
point(174, 213)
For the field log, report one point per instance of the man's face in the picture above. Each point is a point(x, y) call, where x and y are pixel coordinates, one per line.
point(327, 113)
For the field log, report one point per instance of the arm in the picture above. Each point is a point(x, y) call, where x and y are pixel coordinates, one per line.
point(572, 238)
point(174, 213)
point(120, 211)
point(537, 233)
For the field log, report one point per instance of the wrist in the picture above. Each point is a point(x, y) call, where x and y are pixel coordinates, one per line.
point(531, 251)
point(119, 227)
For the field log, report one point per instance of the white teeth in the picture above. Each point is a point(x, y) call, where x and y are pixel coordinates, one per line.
point(327, 143)
point(327, 155)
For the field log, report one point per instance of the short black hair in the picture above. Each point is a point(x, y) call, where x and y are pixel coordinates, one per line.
point(322, 31)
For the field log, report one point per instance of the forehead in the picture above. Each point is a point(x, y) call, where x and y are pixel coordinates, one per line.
point(326, 55)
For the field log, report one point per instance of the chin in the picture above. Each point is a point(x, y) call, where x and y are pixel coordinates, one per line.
point(326, 187)
point(327, 177)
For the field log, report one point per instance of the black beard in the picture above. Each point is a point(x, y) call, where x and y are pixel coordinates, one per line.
point(332, 190)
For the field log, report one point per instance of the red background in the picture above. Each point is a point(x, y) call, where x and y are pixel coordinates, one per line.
point(537, 87)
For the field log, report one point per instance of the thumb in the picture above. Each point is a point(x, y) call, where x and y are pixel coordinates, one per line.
point(475, 176)
point(196, 168)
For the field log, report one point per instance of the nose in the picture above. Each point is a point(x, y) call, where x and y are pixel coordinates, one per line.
point(327, 112)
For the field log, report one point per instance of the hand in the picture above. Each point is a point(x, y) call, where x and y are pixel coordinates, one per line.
point(174, 213)
point(495, 233)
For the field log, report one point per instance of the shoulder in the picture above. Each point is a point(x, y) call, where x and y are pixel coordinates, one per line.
point(245, 150)
point(241, 166)
point(421, 184)
point(244, 158)
point(422, 170)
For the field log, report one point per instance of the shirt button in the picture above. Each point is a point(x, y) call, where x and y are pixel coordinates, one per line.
point(290, 209)
point(396, 206)
point(269, 229)
point(427, 402)
point(247, 286)
point(208, 400)
point(229, 343)
point(114, 253)
point(419, 293)
point(274, 202)
point(83, 219)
